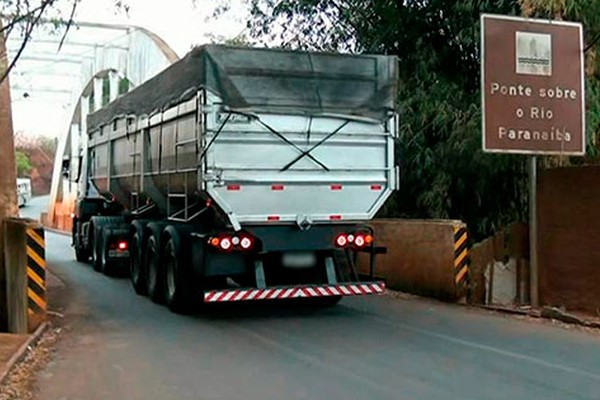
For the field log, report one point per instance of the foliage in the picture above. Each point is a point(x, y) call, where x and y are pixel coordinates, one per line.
point(444, 172)
point(587, 12)
point(24, 166)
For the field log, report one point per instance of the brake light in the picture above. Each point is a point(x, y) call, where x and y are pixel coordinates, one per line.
point(359, 241)
point(356, 240)
point(122, 245)
point(341, 240)
point(226, 244)
point(247, 243)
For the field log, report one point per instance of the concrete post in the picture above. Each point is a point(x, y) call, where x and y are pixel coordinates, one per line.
point(533, 239)
point(8, 173)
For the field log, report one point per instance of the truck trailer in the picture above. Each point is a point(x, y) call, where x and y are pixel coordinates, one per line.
point(241, 174)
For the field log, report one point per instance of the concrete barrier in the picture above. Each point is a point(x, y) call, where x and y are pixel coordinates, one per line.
point(24, 255)
point(428, 258)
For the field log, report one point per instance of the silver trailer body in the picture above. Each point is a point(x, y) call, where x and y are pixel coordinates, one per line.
point(313, 169)
point(268, 154)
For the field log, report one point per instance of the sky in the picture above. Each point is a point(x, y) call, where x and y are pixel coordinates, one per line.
point(182, 24)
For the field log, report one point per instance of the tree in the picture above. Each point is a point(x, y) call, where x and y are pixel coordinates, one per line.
point(444, 172)
point(588, 12)
point(23, 164)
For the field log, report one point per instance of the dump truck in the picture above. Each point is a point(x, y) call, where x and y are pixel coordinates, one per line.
point(241, 174)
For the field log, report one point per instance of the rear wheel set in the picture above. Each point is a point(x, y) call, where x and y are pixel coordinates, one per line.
point(179, 284)
point(164, 274)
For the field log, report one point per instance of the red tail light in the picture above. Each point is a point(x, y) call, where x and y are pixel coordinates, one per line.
point(359, 241)
point(341, 240)
point(228, 242)
point(122, 245)
point(247, 243)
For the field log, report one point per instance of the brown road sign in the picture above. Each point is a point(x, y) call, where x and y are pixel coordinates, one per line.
point(532, 86)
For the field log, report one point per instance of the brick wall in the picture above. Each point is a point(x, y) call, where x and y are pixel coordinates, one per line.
point(569, 237)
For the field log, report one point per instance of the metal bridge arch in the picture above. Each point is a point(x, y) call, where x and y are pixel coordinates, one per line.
point(135, 56)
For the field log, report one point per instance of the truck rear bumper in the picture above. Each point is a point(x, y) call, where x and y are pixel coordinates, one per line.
point(295, 292)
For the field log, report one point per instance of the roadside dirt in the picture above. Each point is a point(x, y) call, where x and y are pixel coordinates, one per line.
point(20, 383)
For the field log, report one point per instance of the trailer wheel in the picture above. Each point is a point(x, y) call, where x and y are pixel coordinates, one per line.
point(137, 270)
point(179, 285)
point(81, 254)
point(155, 279)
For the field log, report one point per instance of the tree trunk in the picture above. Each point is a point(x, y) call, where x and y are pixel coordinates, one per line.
point(8, 173)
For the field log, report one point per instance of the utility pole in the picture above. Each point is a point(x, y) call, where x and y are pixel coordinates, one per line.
point(8, 172)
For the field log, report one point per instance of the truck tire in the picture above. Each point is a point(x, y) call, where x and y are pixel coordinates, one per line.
point(81, 254)
point(107, 266)
point(179, 280)
point(155, 272)
point(136, 265)
point(96, 241)
point(97, 237)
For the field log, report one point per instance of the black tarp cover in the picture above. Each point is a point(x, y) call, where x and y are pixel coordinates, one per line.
point(267, 80)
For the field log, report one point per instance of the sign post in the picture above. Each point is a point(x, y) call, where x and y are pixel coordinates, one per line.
point(533, 97)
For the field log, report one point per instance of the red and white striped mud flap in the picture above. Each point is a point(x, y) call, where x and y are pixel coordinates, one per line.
point(295, 292)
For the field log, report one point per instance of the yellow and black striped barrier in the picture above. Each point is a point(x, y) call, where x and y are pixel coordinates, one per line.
point(36, 271)
point(461, 257)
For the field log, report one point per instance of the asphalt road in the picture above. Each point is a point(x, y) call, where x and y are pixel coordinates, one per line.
point(121, 346)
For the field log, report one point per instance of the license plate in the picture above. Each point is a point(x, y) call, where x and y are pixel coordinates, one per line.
point(299, 260)
point(118, 253)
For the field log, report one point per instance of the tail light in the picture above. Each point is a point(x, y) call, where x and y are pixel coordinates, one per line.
point(341, 240)
point(247, 243)
point(359, 241)
point(228, 242)
point(356, 239)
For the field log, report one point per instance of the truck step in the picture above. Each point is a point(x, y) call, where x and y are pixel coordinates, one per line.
point(295, 292)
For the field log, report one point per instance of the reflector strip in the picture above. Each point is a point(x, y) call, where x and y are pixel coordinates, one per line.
point(336, 187)
point(234, 188)
point(376, 187)
point(291, 292)
point(335, 217)
point(277, 188)
point(273, 218)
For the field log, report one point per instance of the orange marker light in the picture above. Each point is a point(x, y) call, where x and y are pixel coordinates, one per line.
point(368, 239)
point(215, 242)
